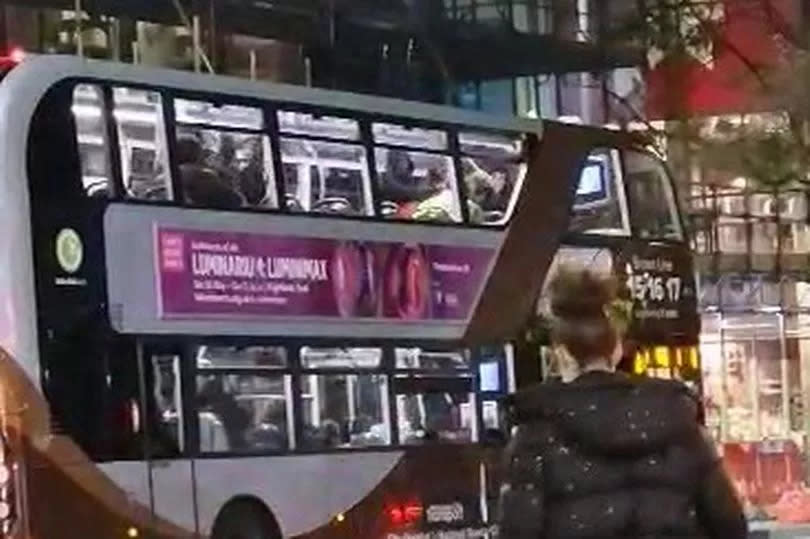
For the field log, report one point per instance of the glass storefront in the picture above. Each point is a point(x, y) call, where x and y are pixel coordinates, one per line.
point(753, 248)
point(756, 384)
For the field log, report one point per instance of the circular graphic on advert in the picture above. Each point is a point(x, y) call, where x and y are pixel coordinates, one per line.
point(69, 250)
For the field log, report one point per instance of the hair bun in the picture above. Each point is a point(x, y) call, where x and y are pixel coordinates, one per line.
point(581, 294)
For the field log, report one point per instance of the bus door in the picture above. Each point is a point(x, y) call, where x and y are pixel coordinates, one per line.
point(170, 469)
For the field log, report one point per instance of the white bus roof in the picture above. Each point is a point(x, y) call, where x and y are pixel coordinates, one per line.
point(50, 69)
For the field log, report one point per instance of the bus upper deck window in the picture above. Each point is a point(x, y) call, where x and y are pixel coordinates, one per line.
point(493, 167)
point(420, 359)
point(654, 211)
point(332, 127)
point(325, 166)
point(224, 158)
point(203, 113)
point(91, 137)
point(600, 206)
point(326, 177)
point(416, 175)
point(142, 139)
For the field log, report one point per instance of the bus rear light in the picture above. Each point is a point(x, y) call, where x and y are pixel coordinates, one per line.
point(408, 513)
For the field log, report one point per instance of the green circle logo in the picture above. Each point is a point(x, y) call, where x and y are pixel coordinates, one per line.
point(69, 250)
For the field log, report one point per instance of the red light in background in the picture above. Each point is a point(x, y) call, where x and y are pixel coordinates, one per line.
point(16, 55)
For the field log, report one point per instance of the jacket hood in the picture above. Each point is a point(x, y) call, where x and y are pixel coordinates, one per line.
point(611, 413)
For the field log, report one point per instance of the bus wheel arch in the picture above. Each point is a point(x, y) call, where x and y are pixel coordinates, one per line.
point(245, 517)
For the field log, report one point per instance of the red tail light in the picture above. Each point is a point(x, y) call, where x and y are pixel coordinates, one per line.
point(406, 514)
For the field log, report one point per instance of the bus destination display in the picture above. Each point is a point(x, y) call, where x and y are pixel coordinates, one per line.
point(663, 296)
point(225, 275)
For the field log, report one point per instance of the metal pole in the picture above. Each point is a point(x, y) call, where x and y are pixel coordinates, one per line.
point(195, 23)
point(307, 71)
point(136, 53)
point(252, 64)
point(115, 37)
point(189, 24)
point(77, 10)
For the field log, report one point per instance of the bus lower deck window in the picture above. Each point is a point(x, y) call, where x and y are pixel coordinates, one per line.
point(243, 412)
point(345, 411)
point(435, 417)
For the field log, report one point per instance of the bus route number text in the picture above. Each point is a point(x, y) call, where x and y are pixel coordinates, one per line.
point(657, 288)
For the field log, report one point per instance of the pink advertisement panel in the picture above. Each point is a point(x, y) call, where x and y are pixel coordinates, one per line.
point(226, 275)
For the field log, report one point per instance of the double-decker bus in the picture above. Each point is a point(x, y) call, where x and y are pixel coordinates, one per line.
point(641, 242)
point(239, 310)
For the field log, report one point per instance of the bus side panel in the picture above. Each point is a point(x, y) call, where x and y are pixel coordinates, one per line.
point(433, 490)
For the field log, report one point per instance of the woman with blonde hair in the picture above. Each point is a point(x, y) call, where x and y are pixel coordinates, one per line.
point(604, 455)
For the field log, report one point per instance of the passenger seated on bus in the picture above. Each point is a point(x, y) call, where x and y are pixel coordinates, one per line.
point(214, 153)
point(330, 434)
point(344, 193)
point(271, 434)
point(334, 205)
point(363, 431)
point(488, 190)
point(439, 205)
point(203, 187)
point(399, 184)
point(214, 399)
point(252, 183)
point(268, 437)
point(188, 149)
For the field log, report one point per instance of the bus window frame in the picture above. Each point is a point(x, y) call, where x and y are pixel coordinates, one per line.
point(264, 134)
point(523, 168)
point(186, 348)
point(407, 381)
point(191, 396)
point(615, 160)
point(270, 107)
point(382, 369)
point(166, 110)
point(583, 239)
point(668, 181)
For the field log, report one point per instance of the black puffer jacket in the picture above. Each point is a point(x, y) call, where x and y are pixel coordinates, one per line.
point(613, 456)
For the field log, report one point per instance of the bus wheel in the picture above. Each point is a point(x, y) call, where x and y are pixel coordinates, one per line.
point(245, 519)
